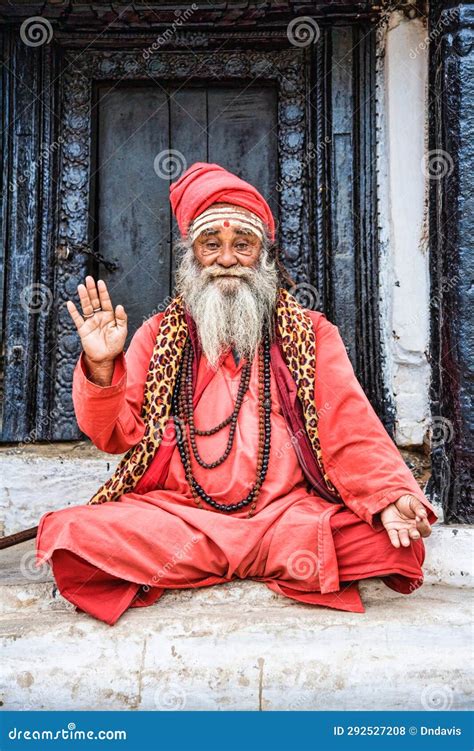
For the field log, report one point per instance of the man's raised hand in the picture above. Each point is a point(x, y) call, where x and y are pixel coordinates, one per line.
point(103, 334)
point(405, 520)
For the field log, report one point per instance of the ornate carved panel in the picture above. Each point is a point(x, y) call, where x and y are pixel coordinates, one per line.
point(451, 165)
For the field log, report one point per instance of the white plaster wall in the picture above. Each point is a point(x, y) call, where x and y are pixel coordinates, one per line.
point(406, 278)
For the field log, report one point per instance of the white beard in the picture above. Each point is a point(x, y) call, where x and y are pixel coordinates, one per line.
point(229, 312)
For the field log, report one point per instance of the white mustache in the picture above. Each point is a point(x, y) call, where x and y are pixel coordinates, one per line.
point(214, 274)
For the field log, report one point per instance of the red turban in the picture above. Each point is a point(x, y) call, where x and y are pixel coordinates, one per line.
point(203, 184)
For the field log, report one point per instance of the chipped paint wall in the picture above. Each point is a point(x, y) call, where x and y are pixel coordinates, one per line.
point(405, 276)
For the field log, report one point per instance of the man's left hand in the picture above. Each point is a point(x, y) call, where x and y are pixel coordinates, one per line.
point(405, 520)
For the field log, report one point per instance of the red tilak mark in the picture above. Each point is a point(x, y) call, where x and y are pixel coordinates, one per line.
point(226, 223)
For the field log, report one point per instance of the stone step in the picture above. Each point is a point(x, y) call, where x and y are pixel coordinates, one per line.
point(38, 478)
point(239, 646)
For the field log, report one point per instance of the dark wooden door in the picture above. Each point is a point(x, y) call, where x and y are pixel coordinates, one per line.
point(146, 136)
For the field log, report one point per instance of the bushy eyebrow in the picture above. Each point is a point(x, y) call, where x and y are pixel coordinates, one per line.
point(238, 231)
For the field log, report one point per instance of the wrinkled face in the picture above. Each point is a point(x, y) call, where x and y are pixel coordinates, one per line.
point(229, 248)
point(229, 283)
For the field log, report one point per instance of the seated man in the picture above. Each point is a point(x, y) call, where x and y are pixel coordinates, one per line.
point(251, 450)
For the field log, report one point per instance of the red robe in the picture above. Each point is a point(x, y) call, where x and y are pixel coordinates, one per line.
point(108, 557)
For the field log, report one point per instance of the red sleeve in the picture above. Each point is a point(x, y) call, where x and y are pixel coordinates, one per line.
point(358, 454)
point(110, 415)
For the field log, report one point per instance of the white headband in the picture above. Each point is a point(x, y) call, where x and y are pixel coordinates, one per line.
point(229, 217)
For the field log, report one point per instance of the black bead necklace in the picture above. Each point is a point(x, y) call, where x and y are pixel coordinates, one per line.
point(185, 406)
point(178, 409)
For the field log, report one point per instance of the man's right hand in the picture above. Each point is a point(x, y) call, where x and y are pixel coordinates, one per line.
point(102, 335)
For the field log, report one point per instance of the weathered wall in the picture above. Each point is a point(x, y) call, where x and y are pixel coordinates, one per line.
point(406, 277)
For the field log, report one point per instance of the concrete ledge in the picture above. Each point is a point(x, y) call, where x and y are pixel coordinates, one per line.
point(239, 646)
point(41, 478)
point(449, 555)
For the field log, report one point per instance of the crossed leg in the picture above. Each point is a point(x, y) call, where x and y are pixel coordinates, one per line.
point(361, 553)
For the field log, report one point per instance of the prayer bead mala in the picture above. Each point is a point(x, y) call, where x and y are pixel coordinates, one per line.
point(185, 406)
point(181, 409)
